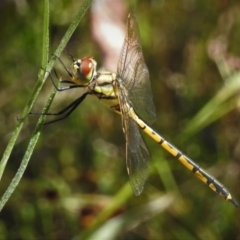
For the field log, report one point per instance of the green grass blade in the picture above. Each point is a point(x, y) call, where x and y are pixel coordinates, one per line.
point(113, 227)
point(219, 104)
point(34, 94)
point(43, 74)
point(27, 155)
point(118, 200)
point(45, 52)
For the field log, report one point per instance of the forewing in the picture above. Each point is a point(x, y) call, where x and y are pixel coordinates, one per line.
point(134, 73)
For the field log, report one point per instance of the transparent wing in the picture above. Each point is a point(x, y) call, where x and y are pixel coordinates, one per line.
point(134, 73)
point(137, 155)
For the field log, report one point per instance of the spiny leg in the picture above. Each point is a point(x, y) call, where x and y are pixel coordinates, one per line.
point(71, 107)
point(63, 81)
point(64, 66)
point(68, 110)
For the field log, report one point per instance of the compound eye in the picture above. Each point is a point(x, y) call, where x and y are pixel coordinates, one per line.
point(87, 67)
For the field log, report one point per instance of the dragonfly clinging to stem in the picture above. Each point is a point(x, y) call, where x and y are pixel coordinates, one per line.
point(128, 92)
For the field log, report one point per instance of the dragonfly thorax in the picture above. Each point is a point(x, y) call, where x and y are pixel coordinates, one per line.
point(103, 86)
point(84, 70)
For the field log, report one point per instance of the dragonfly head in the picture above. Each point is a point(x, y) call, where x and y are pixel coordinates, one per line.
point(84, 70)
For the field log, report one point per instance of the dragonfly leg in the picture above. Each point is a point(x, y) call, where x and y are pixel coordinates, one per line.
point(68, 110)
point(62, 81)
point(64, 66)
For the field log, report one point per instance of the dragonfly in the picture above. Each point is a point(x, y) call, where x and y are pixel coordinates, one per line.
point(128, 93)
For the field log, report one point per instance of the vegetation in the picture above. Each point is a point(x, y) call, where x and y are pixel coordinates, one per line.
point(76, 184)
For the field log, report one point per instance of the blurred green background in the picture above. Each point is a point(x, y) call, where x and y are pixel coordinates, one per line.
point(76, 184)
